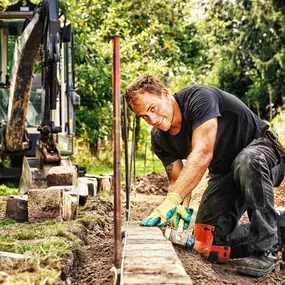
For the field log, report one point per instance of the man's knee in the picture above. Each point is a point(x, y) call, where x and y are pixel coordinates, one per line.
point(245, 164)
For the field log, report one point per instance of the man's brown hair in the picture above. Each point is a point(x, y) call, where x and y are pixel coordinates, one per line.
point(143, 83)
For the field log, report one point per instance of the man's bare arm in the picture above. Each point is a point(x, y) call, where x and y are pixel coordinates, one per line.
point(203, 142)
point(173, 170)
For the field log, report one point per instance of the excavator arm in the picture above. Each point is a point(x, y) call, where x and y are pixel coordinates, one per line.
point(39, 39)
point(26, 50)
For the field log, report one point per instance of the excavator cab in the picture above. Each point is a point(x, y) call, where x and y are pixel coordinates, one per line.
point(37, 95)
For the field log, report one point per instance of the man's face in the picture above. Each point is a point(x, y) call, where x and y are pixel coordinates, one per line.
point(156, 110)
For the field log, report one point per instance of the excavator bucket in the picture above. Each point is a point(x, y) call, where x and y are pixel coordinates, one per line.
point(33, 177)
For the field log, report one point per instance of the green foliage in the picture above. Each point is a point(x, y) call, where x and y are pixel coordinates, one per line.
point(8, 189)
point(149, 163)
point(157, 37)
point(248, 38)
point(5, 3)
point(94, 165)
point(144, 136)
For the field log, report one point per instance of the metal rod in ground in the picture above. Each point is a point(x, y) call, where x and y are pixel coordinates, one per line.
point(126, 140)
point(117, 153)
point(153, 166)
point(145, 150)
point(133, 150)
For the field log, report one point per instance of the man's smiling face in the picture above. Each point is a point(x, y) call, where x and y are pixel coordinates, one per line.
point(156, 110)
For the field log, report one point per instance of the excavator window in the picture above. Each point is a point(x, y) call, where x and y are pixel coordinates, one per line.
point(34, 108)
point(4, 98)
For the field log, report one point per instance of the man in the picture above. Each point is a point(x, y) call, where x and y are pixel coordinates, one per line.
point(214, 130)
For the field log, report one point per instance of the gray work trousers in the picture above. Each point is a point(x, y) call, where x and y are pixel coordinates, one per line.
point(247, 187)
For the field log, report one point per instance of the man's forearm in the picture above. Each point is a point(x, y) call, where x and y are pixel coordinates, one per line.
point(191, 174)
point(173, 170)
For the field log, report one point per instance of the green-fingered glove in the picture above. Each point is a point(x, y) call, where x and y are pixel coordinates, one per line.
point(163, 212)
point(183, 213)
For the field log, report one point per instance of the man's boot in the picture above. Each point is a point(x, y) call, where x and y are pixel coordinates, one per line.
point(259, 264)
point(262, 263)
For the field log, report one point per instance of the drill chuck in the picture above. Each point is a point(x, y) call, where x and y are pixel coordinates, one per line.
point(190, 242)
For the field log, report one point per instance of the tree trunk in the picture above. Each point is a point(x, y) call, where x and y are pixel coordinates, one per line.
point(94, 149)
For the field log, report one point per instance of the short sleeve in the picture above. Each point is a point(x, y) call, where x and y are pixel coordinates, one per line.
point(202, 106)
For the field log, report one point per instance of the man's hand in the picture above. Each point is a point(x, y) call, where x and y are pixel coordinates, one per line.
point(164, 211)
point(185, 214)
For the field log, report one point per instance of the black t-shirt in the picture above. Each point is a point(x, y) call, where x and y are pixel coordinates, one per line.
point(238, 126)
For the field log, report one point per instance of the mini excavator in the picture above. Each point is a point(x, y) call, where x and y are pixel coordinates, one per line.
point(37, 97)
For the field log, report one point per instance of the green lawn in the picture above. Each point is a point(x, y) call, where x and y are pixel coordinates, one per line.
point(105, 166)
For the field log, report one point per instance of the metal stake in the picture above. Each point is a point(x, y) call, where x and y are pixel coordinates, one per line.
point(117, 153)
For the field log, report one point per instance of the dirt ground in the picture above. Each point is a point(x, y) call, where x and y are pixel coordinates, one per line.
point(148, 192)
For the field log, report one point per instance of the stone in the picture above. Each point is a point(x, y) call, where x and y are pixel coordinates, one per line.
point(81, 191)
point(35, 178)
point(62, 176)
point(17, 208)
point(82, 187)
point(55, 202)
point(105, 183)
point(70, 201)
point(45, 204)
point(70, 206)
point(92, 185)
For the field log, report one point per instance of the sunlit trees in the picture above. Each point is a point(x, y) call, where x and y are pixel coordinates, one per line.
point(158, 37)
point(248, 40)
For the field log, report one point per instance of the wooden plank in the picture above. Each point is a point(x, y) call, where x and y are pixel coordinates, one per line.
point(150, 240)
point(148, 268)
point(150, 254)
point(149, 246)
point(150, 258)
point(155, 260)
point(147, 279)
point(141, 235)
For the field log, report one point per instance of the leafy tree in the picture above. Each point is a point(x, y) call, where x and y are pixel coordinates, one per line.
point(157, 37)
point(250, 36)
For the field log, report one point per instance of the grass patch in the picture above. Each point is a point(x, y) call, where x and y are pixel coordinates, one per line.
point(147, 163)
point(94, 165)
point(9, 189)
point(35, 275)
point(52, 247)
point(144, 163)
point(91, 220)
point(48, 244)
point(7, 222)
point(41, 239)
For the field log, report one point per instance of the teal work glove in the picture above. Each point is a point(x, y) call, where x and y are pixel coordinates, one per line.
point(163, 212)
point(185, 214)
